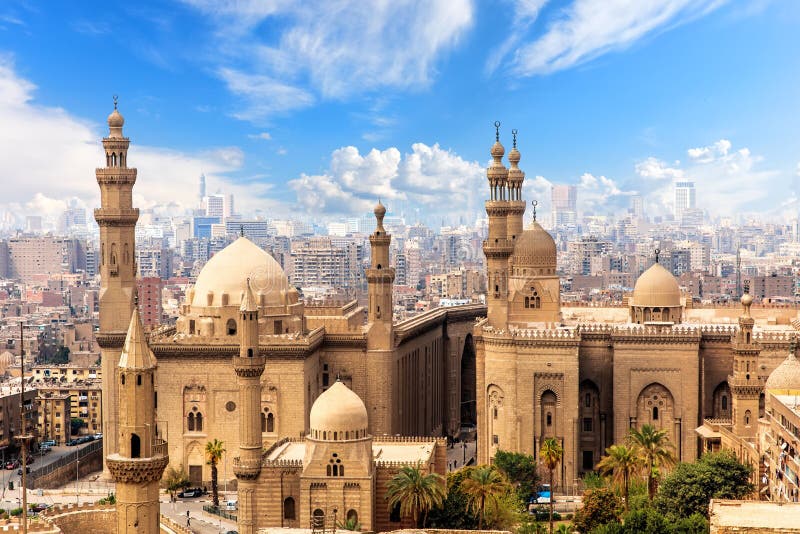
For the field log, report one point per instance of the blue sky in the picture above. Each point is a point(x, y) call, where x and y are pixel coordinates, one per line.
point(317, 108)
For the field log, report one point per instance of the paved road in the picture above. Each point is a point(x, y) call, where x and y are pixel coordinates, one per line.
point(200, 522)
point(456, 455)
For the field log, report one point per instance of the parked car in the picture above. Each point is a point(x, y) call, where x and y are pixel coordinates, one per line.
point(12, 464)
point(48, 443)
point(41, 507)
point(72, 442)
point(99, 435)
point(188, 493)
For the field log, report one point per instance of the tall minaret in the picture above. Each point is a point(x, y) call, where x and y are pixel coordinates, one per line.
point(249, 366)
point(744, 382)
point(380, 327)
point(142, 457)
point(497, 247)
point(116, 218)
point(516, 206)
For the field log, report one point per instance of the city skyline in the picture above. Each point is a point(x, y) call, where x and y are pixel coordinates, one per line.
point(316, 143)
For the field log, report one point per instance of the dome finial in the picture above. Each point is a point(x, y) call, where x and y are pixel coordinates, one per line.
point(241, 232)
point(497, 131)
point(534, 203)
point(514, 135)
point(658, 251)
point(116, 98)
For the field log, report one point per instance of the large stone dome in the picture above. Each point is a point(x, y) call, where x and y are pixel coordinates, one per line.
point(228, 270)
point(785, 379)
point(535, 248)
point(657, 288)
point(338, 414)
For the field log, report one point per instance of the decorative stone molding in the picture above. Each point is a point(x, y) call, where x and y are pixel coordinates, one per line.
point(110, 340)
point(254, 371)
point(136, 470)
point(246, 469)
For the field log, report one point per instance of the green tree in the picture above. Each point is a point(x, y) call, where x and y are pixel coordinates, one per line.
point(600, 506)
point(416, 492)
point(690, 487)
point(483, 488)
point(75, 425)
point(656, 452)
point(214, 451)
point(520, 470)
point(551, 454)
point(349, 524)
point(563, 528)
point(621, 462)
point(175, 480)
point(454, 513)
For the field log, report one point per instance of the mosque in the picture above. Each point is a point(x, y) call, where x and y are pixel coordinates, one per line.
point(318, 406)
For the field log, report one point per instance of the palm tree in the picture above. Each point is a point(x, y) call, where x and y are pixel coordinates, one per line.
point(483, 488)
point(563, 529)
point(214, 451)
point(416, 493)
point(551, 453)
point(655, 450)
point(621, 461)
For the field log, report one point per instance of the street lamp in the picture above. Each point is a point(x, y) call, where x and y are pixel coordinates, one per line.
point(77, 466)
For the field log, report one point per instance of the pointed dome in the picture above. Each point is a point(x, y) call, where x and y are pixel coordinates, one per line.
point(136, 352)
point(115, 119)
point(224, 272)
point(785, 379)
point(498, 150)
point(535, 248)
point(249, 303)
point(657, 288)
point(380, 210)
point(338, 409)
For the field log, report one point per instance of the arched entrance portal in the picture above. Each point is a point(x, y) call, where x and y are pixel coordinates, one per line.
point(469, 415)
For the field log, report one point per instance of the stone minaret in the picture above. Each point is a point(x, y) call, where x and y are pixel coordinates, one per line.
point(744, 382)
point(516, 206)
point(497, 247)
point(380, 328)
point(142, 457)
point(116, 218)
point(249, 367)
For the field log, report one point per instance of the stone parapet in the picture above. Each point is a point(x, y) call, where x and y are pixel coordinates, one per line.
point(136, 470)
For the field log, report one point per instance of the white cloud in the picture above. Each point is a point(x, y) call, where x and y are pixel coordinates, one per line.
point(525, 13)
point(587, 29)
point(49, 155)
point(428, 176)
point(707, 154)
point(264, 136)
point(328, 50)
point(727, 181)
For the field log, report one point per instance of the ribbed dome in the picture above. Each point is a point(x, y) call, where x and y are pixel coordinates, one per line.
point(228, 270)
point(7, 359)
point(657, 288)
point(785, 379)
point(338, 410)
point(535, 248)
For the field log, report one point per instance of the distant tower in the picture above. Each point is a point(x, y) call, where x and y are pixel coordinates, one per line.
point(202, 188)
point(516, 206)
point(498, 247)
point(380, 328)
point(685, 198)
point(249, 366)
point(116, 218)
point(142, 457)
point(745, 385)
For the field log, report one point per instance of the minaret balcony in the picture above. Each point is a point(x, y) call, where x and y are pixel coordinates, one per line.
point(246, 469)
point(117, 217)
point(498, 248)
point(249, 367)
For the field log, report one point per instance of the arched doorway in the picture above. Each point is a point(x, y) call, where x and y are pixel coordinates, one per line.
point(656, 406)
point(469, 415)
point(548, 414)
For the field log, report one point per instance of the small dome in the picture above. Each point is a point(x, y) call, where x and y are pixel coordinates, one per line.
point(657, 288)
point(498, 150)
point(785, 379)
point(747, 299)
point(535, 248)
point(227, 271)
point(380, 210)
point(338, 410)
point(514, 156)
point(116, 120)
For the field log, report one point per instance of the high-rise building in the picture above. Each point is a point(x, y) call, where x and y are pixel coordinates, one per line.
point(215, 206)
point(202, 187)
point(637, 206)
point(684, 198)
point(149, 293)
point(564, 205)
